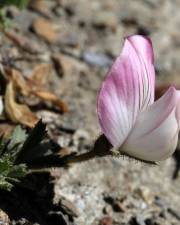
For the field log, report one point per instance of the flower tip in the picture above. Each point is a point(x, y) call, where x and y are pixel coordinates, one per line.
point(142, 45)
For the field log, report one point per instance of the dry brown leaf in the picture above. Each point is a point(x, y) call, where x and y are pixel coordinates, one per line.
point(18, 80)
point(18, 113)
point(47, 96)
point(44, 29)
point(34, 85)
point(41, 74)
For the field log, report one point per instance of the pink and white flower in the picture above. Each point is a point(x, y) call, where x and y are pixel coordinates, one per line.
point(129, 118)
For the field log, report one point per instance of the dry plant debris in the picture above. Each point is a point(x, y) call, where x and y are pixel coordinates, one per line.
point(34, 85)
point(18, 113)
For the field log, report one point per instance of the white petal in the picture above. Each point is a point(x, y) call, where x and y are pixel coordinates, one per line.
point(155, 134)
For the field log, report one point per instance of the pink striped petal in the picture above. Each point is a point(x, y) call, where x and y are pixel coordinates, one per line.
point(155, 134)
point(127, 90)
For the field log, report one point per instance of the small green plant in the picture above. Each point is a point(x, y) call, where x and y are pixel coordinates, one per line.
point(10, 173)
point(21, 152)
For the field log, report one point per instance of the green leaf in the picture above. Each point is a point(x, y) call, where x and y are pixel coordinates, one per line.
point(22, 151)
point(18, 137)
point(18, 171)
point(9, 172)
point(5, 185)
point(4, 166)
point(17, 140)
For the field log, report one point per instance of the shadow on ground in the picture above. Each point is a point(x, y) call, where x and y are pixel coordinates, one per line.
point(32, 202)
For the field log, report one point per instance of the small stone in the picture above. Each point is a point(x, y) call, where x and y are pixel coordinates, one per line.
point(23, 42)
point(61, 65)
point(4, 219)
point(146, 195)
point(48, 116)
point(142, 30)
point(68, 207)
point(40, 6)
point(70, 39)
point(108, 210)
point(118, 206)
point(137, 220)
point(105, 19)
point(44, 28)
point(70, 10)
point(57, 218)
point(64, 152)
point(79, 136)
point(12, 12)
point(174, 213)
point(106, 221)
point(66, 65)
point(64, 141)
point(96, 59)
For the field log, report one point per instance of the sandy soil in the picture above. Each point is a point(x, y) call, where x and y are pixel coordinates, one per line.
point(102, 191)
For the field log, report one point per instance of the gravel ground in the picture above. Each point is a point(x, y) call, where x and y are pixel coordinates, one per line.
point(88, 36)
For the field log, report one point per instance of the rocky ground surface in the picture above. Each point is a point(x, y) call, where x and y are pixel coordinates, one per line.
point(79, 39)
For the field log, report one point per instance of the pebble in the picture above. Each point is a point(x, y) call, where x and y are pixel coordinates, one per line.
point(66, 65)
point(106, 221)
point(108, 210)
point(97, 59)
point(57, 218)
point(68, 207)
point(81, 134)
point(12, 12)
point(41, 7)
point(146, 194)
point(70, 39)
point(23, 42)
point(118, 206)
point(4, 219)
point(105, 19)
point(44, 28)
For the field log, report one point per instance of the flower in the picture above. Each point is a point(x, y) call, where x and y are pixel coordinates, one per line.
point(129, 118)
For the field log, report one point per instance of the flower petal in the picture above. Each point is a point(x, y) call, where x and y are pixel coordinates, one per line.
point(128, 89)
point(155, 134)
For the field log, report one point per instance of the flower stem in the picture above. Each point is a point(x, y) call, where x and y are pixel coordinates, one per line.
point(81, 158)
point(101, 148)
